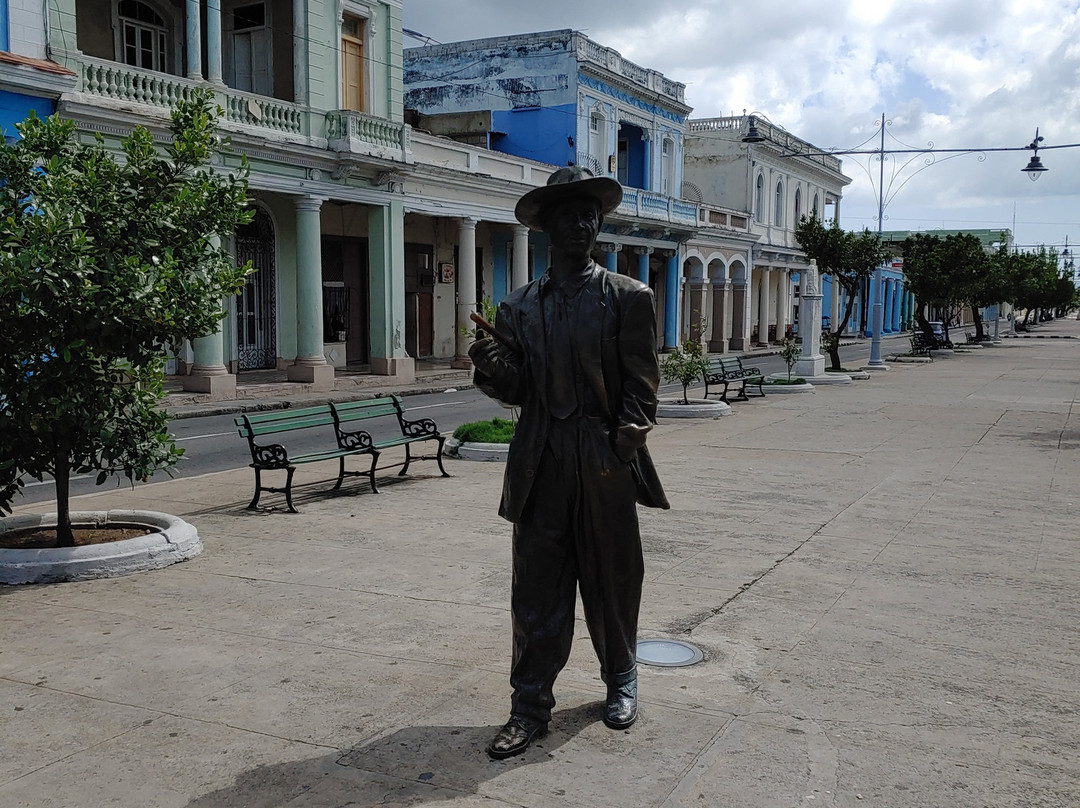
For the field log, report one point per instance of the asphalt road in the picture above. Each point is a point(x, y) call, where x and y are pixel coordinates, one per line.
point(212, 444)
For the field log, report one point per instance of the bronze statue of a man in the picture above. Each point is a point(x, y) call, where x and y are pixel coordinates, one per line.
point(577, 354)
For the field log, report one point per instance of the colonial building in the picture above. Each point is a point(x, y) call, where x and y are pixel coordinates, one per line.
point(560, 98)
point(745, 162)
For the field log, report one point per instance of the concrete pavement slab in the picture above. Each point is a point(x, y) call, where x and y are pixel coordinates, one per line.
point(882, 577)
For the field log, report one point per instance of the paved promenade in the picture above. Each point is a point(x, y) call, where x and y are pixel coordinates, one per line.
point(884, 578)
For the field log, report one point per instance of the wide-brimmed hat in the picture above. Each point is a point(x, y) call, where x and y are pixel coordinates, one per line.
point(568, 183)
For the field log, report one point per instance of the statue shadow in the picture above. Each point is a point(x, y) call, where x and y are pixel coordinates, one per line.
point(412, 766)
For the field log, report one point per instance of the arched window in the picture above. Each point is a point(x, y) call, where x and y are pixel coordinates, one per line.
point(143, 36)
point(798, 205)
point(759, 198)
point(778, 208)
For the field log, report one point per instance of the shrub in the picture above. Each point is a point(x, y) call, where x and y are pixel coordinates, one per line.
point(497, 430)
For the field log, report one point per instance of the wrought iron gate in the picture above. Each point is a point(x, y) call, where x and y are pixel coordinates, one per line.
point(256, 331)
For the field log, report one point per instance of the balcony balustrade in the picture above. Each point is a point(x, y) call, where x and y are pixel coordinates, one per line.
point(131, 85)
point(362, 134)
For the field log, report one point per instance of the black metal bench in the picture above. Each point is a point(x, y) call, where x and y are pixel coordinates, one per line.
point(728, 372)
point(275, 457)
point(920, 347)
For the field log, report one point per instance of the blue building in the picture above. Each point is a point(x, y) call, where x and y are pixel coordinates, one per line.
point(559, 98)
point(28, 80)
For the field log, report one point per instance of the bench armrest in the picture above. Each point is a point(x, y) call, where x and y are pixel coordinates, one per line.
point(421, 428)
point(360, 440)
point(273, 455)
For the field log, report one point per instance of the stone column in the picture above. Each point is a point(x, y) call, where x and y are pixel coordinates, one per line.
point(699, 299)
point(811, 362)
point(208, 372)
point(213, 42)
point(193, 39)
point(671, 301)
point(719, 341)
point(898, 293)
point(887, 302)
point(740, 317)
point(835, 312)
point(310, 366)
point(611, 255)
point(519, 275)
point(386, 280)
point(763, 308)
point(783, 305)
point(466, 292)
point(643, 254)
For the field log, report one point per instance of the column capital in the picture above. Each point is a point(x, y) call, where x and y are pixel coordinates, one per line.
point(643, 250)
point(520, 229)
point(468, 223)
point(609, 247)
point(308, 202)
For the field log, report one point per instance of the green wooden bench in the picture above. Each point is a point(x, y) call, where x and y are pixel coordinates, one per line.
point(729, 373)
point(342, 418)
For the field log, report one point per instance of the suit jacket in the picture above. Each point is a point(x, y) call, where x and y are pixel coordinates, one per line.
point(616, 347)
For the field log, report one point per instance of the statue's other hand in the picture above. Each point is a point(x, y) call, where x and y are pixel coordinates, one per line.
point(484, 354)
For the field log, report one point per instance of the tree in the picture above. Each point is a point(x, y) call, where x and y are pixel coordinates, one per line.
point(685, 364)
point(105, 264)
point(849, 258)
point(943, 272)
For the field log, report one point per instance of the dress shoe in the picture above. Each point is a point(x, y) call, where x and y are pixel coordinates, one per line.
point(515, 737)
point(620, 711)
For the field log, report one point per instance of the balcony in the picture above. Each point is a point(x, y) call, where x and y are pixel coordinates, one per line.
point(658, 207)
point(365, 135)
point(117, 82)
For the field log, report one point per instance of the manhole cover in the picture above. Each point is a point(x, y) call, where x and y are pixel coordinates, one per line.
point(668, 653)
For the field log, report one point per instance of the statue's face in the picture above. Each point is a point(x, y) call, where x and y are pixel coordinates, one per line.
point(573, 225)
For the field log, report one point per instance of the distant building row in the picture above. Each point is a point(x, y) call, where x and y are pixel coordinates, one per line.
point(385, 178)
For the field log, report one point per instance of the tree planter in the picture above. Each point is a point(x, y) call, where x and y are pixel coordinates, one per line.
point(697, 408)
point(172, 540)
point(771, 387)
point(472, 450)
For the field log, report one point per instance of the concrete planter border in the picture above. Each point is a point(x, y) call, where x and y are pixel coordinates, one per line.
point(173, 540)
point(697, 408)
point(787, 389)
point(488, 452)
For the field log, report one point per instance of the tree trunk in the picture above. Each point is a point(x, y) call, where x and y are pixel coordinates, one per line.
point(977, 318)
point(62, 473)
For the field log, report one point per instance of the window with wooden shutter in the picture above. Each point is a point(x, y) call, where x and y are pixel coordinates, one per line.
point(352, 63)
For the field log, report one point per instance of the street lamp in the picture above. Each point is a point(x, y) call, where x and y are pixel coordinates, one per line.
point(1034, 170)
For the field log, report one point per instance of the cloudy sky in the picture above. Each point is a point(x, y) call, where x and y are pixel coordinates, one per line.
point(978, 74)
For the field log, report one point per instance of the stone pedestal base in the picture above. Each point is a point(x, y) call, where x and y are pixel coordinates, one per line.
point(737, 344)
point(403, 368)
point(220, 388)
point(717, 346)
point(808, 366)
point(320, 377)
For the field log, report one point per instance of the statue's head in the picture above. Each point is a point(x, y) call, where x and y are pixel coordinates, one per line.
point(573, 184)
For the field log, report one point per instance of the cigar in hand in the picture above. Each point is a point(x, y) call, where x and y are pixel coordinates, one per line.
point(488, 327)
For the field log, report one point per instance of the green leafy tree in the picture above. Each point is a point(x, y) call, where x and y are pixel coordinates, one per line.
point(105, 264)
point(685, 364)
point(789, 352)
point(849, 258)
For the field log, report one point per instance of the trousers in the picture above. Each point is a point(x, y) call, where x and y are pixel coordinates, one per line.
point(578, 530)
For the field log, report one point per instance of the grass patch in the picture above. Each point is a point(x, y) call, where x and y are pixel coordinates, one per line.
point(497, 430)
point(796, 380)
